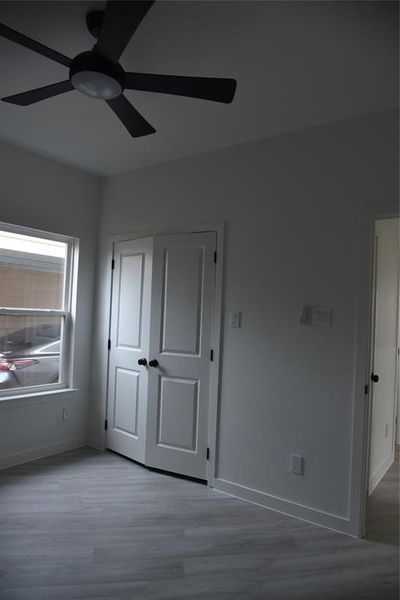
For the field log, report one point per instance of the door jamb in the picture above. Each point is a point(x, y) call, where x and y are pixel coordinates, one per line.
point(358, 489)
point(216, 334)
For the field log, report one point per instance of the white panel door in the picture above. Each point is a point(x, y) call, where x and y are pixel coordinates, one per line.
point(130, 325)
point(180, 345)
point(384, 349)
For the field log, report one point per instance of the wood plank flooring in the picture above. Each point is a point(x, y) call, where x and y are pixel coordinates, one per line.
point(89, 525)
point(383, 507)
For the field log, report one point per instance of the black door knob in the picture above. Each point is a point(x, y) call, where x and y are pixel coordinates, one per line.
point(374, 378)
point(153, 363)
point(142, 361)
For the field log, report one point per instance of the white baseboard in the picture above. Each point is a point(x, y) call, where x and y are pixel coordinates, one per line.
point(380, 472)
point(286, 507)
point(18, 458)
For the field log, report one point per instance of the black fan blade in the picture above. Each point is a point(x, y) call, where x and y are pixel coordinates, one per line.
point(27, 42)
point(133, 121)
point(120, 22)
point(48, 91)
point(207, 88)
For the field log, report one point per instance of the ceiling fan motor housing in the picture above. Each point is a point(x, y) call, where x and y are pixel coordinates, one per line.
point(95, 76)
point(94, 22)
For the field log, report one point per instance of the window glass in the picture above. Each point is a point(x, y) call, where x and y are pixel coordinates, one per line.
point(29, 350)
point(32, 271)
point(34, 309)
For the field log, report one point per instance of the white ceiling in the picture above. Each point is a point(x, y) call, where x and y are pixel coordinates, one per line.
point(297, 64)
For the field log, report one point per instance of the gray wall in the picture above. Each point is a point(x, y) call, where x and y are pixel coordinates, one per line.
point(40, 193)
point(292, 205)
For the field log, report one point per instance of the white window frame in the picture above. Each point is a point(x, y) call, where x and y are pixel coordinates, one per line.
point(67, 313)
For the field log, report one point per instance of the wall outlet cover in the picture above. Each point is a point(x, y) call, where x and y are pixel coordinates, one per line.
point(296, 464)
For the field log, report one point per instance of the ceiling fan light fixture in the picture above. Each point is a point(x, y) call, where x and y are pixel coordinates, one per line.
point(96, 85)
point(97, 73)
point(96, 77)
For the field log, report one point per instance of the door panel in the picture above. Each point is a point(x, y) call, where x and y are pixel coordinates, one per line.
point(130, 325)
point(182, 295)
point(180, 340)
point(177, 413)
point(126, 400)
point(130, 300)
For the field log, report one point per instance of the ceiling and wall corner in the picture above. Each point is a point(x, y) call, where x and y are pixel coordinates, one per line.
point(298, 64)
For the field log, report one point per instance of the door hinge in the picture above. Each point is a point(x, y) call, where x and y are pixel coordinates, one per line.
point(215, 257)
point(366, 389)
point(212, 355)
point(109, 344)
point(208, 453)
point(112, 264)
point(105, 425)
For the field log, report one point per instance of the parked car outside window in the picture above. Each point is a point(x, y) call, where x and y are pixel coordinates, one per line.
point(30, 357)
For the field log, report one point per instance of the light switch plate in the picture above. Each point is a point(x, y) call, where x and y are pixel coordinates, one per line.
point(236, 319)
point(320, 316)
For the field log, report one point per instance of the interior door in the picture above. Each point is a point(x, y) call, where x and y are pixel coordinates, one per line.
point(180, 345)
point(130, 325)
point(384, 346)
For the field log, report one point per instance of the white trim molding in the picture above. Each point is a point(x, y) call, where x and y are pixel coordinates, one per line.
point(379, 472)
point(283, 506)
point(66, 313)
point(18, 458)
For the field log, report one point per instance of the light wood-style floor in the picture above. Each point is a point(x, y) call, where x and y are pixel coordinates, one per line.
point(91, 525)
point(382, 523)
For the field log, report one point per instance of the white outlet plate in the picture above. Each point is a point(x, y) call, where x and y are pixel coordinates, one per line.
point(296, 464)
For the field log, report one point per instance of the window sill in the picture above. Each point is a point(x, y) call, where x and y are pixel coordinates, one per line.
point(35, 397)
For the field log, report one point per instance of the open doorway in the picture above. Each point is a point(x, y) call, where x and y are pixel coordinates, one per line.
point(382, 521)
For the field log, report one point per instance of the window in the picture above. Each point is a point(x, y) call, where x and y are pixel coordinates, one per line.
point(35, 310)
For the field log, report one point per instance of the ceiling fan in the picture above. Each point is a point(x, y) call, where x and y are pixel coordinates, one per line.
point(98, 74)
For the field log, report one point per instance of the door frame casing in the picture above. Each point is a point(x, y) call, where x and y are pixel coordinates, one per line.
point(216, 335)
point(359, 469)
point(372, 355)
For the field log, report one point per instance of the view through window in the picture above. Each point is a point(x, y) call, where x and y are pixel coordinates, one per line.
point(34, 307)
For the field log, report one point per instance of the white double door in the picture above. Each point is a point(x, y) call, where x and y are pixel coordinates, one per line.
point(159, 358)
